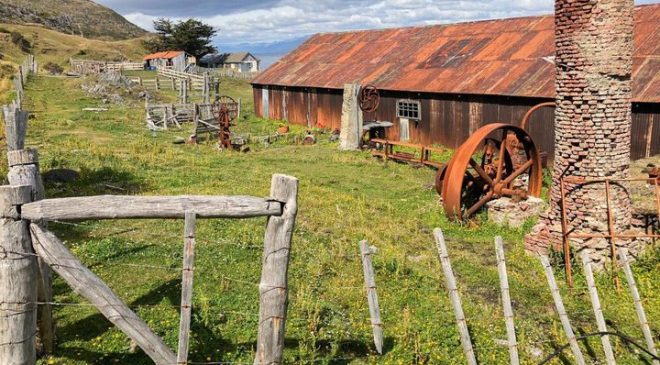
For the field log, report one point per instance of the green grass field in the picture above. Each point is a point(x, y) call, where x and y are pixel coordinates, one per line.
point(344, 197)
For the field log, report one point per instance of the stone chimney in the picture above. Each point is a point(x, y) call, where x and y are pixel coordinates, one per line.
point(594, 47)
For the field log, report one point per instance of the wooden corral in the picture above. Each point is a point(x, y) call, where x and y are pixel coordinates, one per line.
point(85, 67)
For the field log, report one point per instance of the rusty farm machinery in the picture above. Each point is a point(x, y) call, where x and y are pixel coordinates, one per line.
point(217, 119)
point(497, 160)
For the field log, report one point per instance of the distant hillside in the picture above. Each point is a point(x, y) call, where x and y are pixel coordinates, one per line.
point(50, 46)
point(80, 17)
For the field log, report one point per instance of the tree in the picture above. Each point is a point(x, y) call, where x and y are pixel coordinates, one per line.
point(190, 35)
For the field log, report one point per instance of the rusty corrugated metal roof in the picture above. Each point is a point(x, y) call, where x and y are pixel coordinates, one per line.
point(496, 57)
point(164, 55)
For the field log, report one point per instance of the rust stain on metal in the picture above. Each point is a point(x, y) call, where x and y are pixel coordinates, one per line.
point(495, 57)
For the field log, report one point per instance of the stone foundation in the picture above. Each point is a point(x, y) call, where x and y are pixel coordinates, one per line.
point(506, 212)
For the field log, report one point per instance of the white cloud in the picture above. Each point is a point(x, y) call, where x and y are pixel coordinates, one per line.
point(289, 19)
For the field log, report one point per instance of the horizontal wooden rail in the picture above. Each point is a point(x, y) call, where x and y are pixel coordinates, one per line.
point(126, 207)
point(180, 75)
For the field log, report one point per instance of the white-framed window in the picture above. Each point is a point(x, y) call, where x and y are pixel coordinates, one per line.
point(410, 109)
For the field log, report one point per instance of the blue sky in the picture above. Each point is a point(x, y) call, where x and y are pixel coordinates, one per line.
point(248, 22)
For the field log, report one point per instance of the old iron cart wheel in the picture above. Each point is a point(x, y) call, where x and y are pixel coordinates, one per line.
point(229, 103)
point(492, 163)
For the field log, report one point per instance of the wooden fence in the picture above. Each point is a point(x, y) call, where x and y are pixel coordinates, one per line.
point(85, 67)
point(29, 66)
point(196, 81)
point(222, 72)
point(463, 329)
point(26, 245)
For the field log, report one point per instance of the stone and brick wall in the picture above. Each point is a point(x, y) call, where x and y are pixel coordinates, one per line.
point(594, 47)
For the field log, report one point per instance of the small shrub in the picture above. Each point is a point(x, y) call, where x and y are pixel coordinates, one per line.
point(82, 52)
point(53, 68)
point(22, 43)
point(5, 30)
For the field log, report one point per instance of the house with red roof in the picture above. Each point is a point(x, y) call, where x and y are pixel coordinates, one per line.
point(175, 60)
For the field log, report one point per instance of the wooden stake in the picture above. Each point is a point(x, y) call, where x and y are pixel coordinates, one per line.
point(598, 312)
point(91, 287)
point(641, 315)
point(450, 281)
point(559, 305)
point(372, 296)
point(273, 289)
point(186, 287)
point(506, 302)
point(18, 281)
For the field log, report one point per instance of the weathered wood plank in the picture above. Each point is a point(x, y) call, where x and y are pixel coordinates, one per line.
point(372, 295)
point(18, 282)
point(506, 302)
point(91, 287)
point(595, 304)
point(186, 286)
point(559, 305)
point(450, 281)
point(122, 207)
point(641, 315)
point(273, 288)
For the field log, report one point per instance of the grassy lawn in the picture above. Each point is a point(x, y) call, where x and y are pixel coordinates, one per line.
point(344, 197)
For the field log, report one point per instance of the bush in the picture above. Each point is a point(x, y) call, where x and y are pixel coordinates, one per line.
point(53, 68)
point(22, 43)
point(4, 30)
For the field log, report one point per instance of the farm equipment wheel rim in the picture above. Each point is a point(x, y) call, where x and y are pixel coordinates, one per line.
point(471, 181)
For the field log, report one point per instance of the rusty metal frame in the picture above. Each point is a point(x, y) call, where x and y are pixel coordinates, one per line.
point(612, 235)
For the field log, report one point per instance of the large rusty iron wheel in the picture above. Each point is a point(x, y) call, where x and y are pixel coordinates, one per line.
point(489, 165)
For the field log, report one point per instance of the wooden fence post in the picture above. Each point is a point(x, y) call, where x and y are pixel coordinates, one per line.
point(598, 312)
point(450, 281)
point(506, 301)
point(18, 280)
point(186, 286)
point(641, 315)
point(206, 89)
point(15, 126)
point(559, 305)
point(372, 296)
point(273, 289)
point(24, 170)
point(157, 83)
